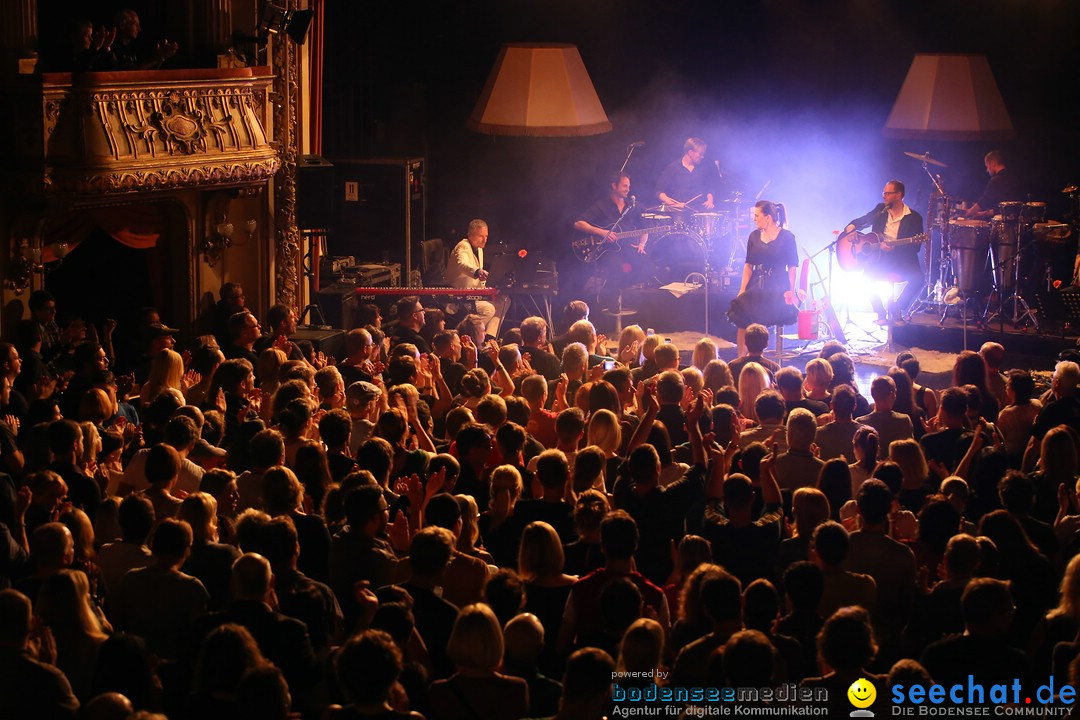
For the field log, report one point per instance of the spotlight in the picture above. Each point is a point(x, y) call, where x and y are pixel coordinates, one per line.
point(277, 19)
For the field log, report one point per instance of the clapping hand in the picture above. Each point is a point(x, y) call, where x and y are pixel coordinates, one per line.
point(190, 380)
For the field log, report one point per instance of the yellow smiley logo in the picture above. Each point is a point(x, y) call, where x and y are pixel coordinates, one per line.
point(862, 693)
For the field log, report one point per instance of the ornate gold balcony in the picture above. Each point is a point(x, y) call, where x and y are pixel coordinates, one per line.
point(108, 134)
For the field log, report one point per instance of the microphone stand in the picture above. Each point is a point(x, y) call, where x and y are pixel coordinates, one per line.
point(629, 151)
point(615, 229)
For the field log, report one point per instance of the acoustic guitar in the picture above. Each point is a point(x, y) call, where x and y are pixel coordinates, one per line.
point(856, 250)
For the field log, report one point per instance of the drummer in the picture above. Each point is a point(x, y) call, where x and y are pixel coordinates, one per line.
point(685, 184)
point(1003, 186)
point(894, 219)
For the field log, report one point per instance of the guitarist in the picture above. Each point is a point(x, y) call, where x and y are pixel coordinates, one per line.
point(893, 219)
point(616, 270)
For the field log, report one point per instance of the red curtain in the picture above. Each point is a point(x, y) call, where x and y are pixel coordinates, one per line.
point(136, 226)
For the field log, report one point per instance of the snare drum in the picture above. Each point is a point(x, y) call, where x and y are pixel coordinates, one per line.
point(651, 220)
point(1010, 211)
point(708, 224)
point(968, 242)
point(1033, 212)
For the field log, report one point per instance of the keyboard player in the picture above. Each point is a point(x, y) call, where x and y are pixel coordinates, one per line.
point(466, 270)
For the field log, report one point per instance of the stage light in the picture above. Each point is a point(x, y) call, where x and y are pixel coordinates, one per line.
point(278, 19)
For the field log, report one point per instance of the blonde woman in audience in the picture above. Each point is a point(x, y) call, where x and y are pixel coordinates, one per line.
point(540, 564)
point(908, 454)
point(85, 547)
point(641, 652)
point(269, 366)
point(470, 529)
point(693, 379)
point(65, 607)
point(631, 354)
point(752, 381)
point(477, 689)
point(819, 375)
point(704, 352)
point(498, 526)
point(717, 375)
point(166, 372)
point(605, 432)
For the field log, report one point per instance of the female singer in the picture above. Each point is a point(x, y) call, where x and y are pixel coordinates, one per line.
point(767, 293)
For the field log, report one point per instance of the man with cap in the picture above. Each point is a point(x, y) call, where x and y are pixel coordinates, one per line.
point(159, 337)
point(410, 315)
point(364, 401)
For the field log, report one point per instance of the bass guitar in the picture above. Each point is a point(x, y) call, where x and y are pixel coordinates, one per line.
point(590, 248)
point(856, 250)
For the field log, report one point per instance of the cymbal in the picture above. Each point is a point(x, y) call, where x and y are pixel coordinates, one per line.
point(925, 158)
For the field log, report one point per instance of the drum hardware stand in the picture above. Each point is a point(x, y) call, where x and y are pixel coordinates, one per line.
point(931, 296)
point(705, 276)
point(1017, 298)
point(310, 263)
point(955, 296)
point(996, 269)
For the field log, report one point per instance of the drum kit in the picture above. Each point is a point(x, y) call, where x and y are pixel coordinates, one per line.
point(989, 264)
point(694, 243)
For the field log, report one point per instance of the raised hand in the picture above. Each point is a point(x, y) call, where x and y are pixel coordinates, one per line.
point(687, 398)
point(560, 388)
point(397, 533)
point(629, 353)
point(190, 379)
point(695, 411)
point(652, 404)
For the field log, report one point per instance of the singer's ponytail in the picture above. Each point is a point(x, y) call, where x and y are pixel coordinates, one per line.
point(774, 210)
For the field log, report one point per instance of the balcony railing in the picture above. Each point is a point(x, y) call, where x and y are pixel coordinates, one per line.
point(95, 134)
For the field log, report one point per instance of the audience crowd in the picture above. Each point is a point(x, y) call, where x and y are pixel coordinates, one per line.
point(446, 525)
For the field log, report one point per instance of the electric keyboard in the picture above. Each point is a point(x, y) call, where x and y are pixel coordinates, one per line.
point(444, 293)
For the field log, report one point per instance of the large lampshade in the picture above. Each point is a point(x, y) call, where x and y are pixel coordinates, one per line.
point(949, 97)
point(540, 90)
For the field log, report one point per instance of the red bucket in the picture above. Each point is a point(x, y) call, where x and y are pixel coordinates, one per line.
point(808, 324)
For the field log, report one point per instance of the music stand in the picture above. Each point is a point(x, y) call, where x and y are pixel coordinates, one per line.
point(1064, 303)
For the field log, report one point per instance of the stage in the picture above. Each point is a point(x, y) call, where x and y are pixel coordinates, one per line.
point(871, 346)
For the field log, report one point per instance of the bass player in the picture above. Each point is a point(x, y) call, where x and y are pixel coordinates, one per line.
point(602, 223)
point(893, 219)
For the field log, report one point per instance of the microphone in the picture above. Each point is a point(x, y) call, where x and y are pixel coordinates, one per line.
point(633, 200)
point(762, 190)
point(639, 143)
point(718, 170)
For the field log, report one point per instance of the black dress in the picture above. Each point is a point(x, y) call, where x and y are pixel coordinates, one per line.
point(763, 300)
